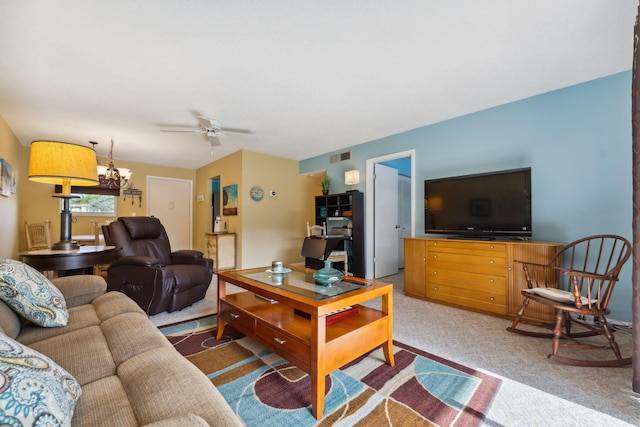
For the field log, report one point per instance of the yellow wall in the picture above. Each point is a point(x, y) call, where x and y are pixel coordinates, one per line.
point(11, 151)
point(273, 228)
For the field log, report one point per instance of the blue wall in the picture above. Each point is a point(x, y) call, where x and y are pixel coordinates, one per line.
point(577, 140)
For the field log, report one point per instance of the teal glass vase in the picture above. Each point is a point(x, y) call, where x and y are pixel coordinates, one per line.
point(328, 275)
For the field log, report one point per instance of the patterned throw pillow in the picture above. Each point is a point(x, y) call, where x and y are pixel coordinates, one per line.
point(34, 390)
point(31, 294)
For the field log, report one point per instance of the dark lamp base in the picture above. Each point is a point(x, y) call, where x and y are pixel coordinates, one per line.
point(65, 245)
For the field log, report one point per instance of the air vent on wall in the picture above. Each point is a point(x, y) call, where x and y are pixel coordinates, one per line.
point(340, 157)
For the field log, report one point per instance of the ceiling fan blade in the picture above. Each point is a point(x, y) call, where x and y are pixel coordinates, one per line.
point(184, 131)
point(236, 130)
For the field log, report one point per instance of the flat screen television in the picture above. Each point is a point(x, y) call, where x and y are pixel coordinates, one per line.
point(481, 205)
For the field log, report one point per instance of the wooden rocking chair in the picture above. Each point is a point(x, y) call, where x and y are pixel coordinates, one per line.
point(580, 287)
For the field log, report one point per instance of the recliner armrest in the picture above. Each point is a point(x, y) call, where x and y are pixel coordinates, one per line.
point(187, 253)
point(137, 260)
point(191, 257)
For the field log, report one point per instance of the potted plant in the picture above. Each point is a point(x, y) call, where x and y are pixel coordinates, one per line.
point(326, 185)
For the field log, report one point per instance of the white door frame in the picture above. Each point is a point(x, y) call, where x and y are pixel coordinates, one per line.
point(190, 205)
point(369, 210)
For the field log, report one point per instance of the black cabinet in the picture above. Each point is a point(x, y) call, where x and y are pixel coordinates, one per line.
point(339, 211)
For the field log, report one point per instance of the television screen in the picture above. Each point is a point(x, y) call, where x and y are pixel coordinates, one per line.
point(495, 203)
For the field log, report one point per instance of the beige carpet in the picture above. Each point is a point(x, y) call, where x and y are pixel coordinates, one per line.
point(535, 391)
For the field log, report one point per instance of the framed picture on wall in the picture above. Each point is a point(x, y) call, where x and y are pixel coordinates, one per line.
point(230, 200)
point(6, 179)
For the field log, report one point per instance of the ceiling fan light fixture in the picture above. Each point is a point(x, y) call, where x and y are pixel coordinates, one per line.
point(212, 129)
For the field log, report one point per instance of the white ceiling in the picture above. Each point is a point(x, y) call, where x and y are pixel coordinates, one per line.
point(306, 77)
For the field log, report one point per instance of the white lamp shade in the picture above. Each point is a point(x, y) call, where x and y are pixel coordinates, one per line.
point(352, 177)
point(125, 173)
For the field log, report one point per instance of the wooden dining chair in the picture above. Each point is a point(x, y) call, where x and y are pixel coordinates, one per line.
point(578, 283)
point(38, 235)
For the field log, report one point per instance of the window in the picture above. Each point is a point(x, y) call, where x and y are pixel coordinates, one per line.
point(93, 204)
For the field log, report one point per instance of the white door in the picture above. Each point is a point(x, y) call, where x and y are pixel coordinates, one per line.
point(385, 244)
point(404, 215)
point(170, 200)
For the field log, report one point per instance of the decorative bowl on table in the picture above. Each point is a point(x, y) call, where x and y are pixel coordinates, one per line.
point(327, 275)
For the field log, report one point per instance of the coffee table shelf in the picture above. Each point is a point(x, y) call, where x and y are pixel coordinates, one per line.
point(308, 342)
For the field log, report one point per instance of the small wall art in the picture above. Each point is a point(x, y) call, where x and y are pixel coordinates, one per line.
point(230, 200)
point(6, 179)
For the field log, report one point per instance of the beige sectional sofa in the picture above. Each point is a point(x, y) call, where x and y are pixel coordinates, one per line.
point(129, 373)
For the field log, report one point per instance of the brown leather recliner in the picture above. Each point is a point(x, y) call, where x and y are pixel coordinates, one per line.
point(148, 272)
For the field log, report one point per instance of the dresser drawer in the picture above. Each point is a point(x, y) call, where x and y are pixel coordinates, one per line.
point(237, 318)
point(472, 264)
point(496, 284)
point(468, 248)
point(284, 344)
point(486, 301)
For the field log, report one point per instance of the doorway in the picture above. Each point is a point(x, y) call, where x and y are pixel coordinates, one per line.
point(215, 200)
point(406, 210)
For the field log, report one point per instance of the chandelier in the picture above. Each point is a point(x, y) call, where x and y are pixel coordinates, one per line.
point(112, 177)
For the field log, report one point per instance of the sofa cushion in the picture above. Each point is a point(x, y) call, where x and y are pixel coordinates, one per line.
point(80, 289)
point(79, 317)
point(88, 361)
point(35, 390)
point(31, 294)
point(124, 344)
point(146, 379)
point(10, 322)
point(104, 399)
point(113, 304)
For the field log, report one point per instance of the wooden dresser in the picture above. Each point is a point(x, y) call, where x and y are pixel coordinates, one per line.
point(474, 274)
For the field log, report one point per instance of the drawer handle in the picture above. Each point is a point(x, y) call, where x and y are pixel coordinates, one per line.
point(435, 272)
point(235, 316)
point(492, 299)
point(279, 341)
point(492, 247)
point(491, 262)
point(491, 280)
point(435, 257)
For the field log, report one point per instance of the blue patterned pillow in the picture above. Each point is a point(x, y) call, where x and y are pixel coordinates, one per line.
point(31, 294)
point(34, 390)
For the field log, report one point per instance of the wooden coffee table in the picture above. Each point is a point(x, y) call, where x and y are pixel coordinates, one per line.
point(290, 319)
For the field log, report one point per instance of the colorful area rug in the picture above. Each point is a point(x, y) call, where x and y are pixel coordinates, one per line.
point(264, 389)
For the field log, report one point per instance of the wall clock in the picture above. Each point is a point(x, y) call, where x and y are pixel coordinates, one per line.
point(257, 193)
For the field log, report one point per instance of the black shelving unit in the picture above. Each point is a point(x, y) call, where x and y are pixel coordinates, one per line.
point(334, 208)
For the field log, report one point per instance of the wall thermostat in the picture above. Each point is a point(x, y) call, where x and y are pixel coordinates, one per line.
point(273, 193)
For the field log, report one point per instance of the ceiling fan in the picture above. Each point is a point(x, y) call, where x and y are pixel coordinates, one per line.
point(212, 129)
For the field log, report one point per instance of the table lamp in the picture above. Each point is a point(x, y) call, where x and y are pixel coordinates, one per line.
point(352, 178)
point(65, 164)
